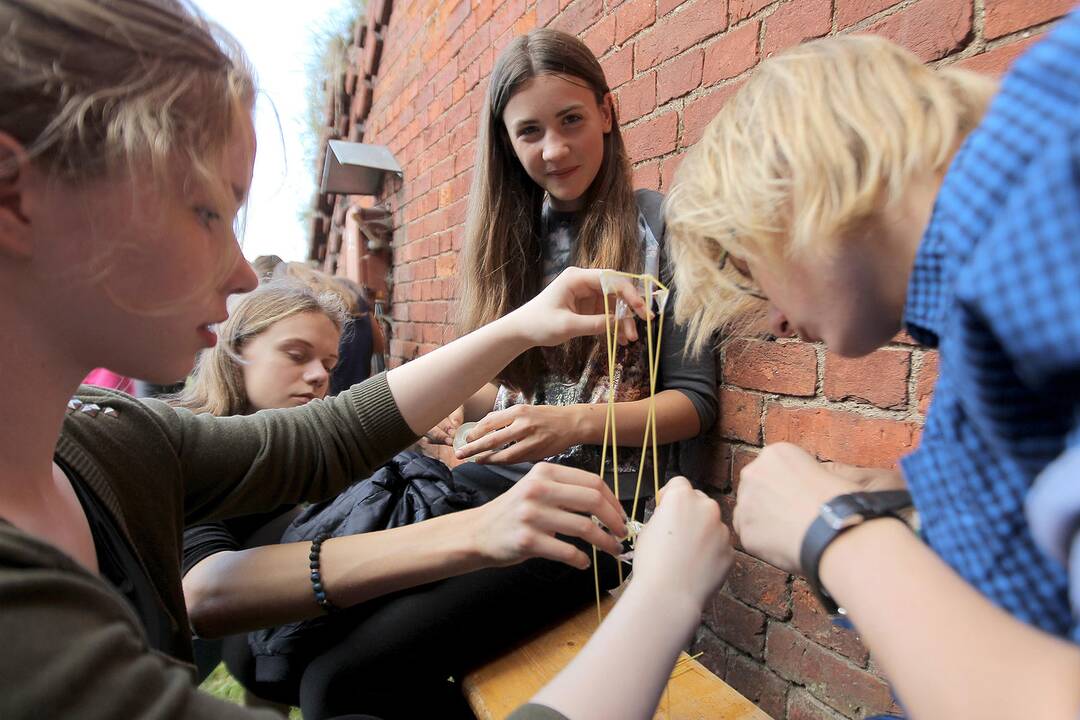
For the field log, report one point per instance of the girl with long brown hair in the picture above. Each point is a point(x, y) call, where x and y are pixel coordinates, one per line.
point(552, 188)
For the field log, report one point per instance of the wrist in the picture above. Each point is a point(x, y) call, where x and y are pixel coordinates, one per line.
point(512, 333)
point(680, 608)
point(580, 423)
point(846, 556)
point(473, 536)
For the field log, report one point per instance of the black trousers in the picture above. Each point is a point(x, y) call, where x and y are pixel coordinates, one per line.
point(396, 654)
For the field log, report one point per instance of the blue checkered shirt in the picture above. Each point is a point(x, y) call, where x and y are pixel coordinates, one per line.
point(996, 287)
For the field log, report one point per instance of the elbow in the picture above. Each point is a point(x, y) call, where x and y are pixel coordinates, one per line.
point(207, 602)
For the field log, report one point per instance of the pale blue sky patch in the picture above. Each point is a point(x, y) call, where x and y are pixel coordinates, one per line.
point(278, 37)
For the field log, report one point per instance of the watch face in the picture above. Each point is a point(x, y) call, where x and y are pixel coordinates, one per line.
point(842, 512)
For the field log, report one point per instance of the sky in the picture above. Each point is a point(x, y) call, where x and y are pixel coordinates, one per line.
point(278, 36)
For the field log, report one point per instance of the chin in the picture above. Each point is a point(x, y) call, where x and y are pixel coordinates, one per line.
point(857, 346)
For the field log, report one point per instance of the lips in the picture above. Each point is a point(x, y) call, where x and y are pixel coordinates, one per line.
point(564, 172)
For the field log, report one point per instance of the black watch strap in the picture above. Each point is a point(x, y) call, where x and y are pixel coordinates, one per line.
point(838, 515)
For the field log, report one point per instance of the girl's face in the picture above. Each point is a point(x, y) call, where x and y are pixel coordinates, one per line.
point(557, 131)
point(289, 363)
point(170, 261)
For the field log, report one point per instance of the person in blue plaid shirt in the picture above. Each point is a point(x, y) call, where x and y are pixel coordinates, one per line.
point(846, 191)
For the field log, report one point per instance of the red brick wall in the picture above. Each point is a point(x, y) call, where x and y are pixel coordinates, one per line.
point(672, 63)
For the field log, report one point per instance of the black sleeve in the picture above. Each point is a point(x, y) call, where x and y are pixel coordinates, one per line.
point(692, 375)
point(202, 541)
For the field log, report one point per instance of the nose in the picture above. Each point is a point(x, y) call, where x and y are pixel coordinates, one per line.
point(778, 323)
point(242, 277)
point(554, 147)
point(315, 374)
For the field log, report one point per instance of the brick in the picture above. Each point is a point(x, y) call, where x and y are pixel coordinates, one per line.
point(668, 6)
point(1007, 16)
point(619, 66)
point(647, 176)
point(742, 9)
point(833, 680)
point(714, 652)
point(737, 624)
point(445, 265)
point(930, 28)
point(997, 61)
point(701, 110)
point(695, 21)
point(801, 705)
point(632, 17)
point(578, 16)
point(504, 17)
point(841, 436)
point(758, 685)
point(760, 585)
point(601, 36)
point(545, 11)
point(740, 416)
point(788, 368)
point(679, 76)
point(718, 471)
point(809, 618)
point(925, 380)
point(849, 12)
point(740, 458)
point(652, 138)
point(795, 22)
point(880, 378)
point(732, 54)
point(637, 98)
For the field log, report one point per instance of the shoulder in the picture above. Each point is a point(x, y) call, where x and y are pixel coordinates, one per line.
point(651, 206)
point(649, 201)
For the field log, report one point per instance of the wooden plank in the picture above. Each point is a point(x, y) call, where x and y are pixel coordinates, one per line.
point(502, 685)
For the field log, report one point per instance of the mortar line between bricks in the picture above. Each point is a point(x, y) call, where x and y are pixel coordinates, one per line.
point(914, 376)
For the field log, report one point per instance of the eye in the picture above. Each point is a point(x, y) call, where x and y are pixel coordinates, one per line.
point(206, 215)
point(572, 118)
point(295, 356)
point(528, 130)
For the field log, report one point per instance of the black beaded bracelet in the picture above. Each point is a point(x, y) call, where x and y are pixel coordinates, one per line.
point(316, 574)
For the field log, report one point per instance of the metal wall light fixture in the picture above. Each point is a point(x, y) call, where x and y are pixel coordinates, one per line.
point(353, 168)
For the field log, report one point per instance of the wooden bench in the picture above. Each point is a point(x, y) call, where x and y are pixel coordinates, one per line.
point(502, 685)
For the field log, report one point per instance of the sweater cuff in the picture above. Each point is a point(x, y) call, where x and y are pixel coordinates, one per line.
point(379, 413)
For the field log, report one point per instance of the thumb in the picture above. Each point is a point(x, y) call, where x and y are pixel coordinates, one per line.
point(675, 484)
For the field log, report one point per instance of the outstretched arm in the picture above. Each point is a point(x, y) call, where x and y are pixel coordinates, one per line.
point(237, 591)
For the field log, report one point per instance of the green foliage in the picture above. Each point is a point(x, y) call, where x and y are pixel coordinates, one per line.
point(329, 57)
point(222, 685)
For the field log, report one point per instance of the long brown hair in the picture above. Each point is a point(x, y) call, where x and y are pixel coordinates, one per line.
point(502, 250)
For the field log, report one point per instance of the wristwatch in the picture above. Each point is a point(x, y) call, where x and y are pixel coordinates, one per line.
point(838, 515)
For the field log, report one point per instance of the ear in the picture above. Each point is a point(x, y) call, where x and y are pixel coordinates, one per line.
point(607, 112)
point(15, 235)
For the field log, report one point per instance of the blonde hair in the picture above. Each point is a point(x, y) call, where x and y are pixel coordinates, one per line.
point(132, 88)
point(500, 268)
point(820, 139)
point(217, 384)
point(89, 85)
